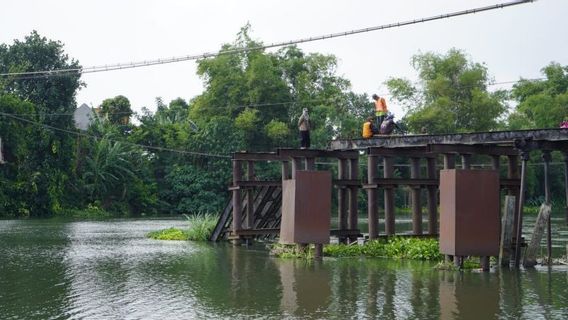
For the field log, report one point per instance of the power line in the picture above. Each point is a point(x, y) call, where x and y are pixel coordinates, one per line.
point(269, 104)
point(76, 133)
point(93, 69)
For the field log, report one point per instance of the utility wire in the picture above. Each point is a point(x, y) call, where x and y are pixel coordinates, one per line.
point(270, 104)
point(77, 133)
point(48, 73)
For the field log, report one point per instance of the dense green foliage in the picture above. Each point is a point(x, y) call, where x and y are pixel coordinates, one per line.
point(177, 159)
point(396, 247)
point(40, 159)
point(541, 104)
point(452, 95)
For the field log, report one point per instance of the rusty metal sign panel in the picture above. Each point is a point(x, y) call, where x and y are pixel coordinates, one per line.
point(469, 212)
point(306, 208)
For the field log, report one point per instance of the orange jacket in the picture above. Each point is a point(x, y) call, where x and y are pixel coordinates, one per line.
point(381, 105)
point(367, 130)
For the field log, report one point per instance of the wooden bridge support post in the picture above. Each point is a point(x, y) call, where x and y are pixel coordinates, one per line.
point(449, 161)
point(495, 165)
point(318, 247)
point(342, 197)
point(353, 193)
point(250, 196)
point(513, 173)
point(372, 198)
point(285, 170)
point(389, 197)
point(296, 165)
point(237, 202)
point(519, 217)
point(415, 197)
point(466, 161)
point(495, 162)
point(432, 198)
point(546, 158)
point(310, 164)
point(505, 248)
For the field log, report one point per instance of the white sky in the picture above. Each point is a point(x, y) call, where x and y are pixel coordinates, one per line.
point(513, 42)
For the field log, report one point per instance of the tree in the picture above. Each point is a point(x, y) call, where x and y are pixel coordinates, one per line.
point(262, 91)
point(117, 110)
point(50, 151)
point(17, 173)
point(451, 95)
point(115, 173)
point(541, 104)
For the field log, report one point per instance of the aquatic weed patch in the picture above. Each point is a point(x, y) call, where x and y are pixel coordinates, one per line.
point(168, 234)
point(288, 251)
point(395, 248)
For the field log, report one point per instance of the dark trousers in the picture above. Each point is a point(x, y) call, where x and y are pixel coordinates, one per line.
point(305, 139)
point(379, 122)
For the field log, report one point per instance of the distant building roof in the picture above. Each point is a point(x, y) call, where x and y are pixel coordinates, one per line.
point(83, 117)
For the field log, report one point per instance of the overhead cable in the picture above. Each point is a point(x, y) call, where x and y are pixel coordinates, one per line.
point(93, 69)
point(271, 104)
point(82, 134)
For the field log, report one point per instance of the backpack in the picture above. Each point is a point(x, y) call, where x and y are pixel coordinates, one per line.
point(387, 126)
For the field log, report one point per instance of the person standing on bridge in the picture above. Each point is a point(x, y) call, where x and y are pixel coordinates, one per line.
point(304, 127)
point(380, 110)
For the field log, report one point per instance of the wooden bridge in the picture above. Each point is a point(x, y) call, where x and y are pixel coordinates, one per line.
point(261, 219)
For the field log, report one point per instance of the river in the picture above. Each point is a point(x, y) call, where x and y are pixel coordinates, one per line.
point(109, 270)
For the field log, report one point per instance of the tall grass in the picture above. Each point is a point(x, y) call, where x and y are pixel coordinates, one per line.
point(201, 226)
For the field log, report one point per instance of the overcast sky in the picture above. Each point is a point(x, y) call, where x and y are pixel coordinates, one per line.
point(513, 42)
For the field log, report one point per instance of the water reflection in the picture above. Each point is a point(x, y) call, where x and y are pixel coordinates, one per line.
point(469, 295)
point(109, 270)
point(32, 270)
point(305, 287)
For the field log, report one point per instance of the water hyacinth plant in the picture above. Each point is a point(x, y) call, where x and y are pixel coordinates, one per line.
point(168, 234)
point(396, 247)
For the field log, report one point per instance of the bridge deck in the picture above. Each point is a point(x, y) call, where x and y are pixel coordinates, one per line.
point(477, 138)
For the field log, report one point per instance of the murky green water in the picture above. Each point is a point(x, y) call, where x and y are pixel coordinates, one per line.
point(109, 270)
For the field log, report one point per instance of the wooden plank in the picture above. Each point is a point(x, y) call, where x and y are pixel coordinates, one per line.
point(222, 222)
point(271, 210)
point(256, 156)
point(345, 233)
point(347, 183)
point(507, 230)
point(473, 149)
point(317, 153)
point(373, 220)
point(254, 232)
point(420, 151)
point(244, 184)
point(529, 260)
point(378, 182)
